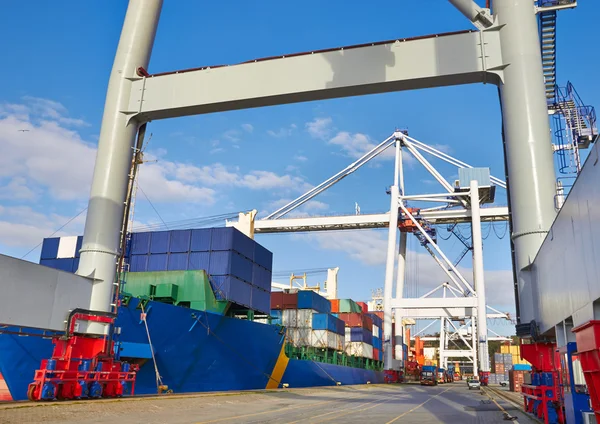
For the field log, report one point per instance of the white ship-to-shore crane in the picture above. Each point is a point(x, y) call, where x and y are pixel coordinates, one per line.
point(459, 299)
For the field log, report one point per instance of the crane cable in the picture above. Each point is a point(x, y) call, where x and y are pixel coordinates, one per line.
point(159, 382)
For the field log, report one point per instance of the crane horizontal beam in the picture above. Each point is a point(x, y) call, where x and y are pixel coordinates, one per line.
point(359, 222)
point(436, 60)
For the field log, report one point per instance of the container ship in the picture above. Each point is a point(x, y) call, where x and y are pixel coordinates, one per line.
point(196, 314)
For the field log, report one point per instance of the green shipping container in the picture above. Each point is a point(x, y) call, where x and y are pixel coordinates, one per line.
point(183, 288)
point(349, 305)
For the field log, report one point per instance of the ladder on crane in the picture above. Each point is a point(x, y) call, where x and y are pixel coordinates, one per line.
point(547, 24)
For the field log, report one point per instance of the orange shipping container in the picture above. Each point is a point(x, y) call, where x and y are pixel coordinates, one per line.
point(335, 306)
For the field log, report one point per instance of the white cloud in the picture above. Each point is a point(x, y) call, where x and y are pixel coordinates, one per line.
point(49, 109)
point(282, 132)
point(247, 127)
point(357, 144)
point(232, 135)
point(443, 148)
point(300, 158)
point(319, 127)
point(310, 208)
point(16, 189)
point(257, 180)
point(21, 226)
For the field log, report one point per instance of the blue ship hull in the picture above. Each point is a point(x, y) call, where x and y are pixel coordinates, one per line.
point(195, 351)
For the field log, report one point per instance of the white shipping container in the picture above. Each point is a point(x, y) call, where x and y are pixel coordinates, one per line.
point(375, 331)
point(340, 342)
point(305, 317)
point(324, 339)
point(289, 318)
point(429, 352)
point(360, 349)
point(300, 337)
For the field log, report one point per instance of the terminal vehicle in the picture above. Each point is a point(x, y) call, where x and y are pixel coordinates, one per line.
point(428, 376)
point(474, 383)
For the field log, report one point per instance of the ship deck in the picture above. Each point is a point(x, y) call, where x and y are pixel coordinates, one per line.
point(405, 403)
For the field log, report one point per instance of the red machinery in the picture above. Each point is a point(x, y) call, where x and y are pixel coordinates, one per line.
point(588, 349)
point(543, 397)
point(83, 366)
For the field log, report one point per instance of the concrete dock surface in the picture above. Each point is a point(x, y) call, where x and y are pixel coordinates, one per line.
point(385, 404)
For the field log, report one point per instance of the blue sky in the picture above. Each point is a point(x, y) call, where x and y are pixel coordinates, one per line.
point(55, 65)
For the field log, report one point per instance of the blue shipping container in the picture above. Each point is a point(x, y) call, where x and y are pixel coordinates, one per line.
point(261, 300)
point(50, 248)
point(359, 334)
point(522, 367)
point(230, 263)
point(75, 264)
point(64, 264)
point(180, 241)
point(78, 246)
point(261, 277)
point(263, 257)
point(178, 261)
point(232, 289)
point(138, 263)
point(308, 299)
point(200, 241)
point(199, 260)
point(157, 262)
point(376, 342)
point(276, 315)
point(229, 238)
point(328, 322)
point(376, 320)
point(429, 368)
point(159, 242)
point(140, 243)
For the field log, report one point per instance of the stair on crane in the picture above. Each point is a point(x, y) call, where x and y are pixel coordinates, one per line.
point(548, 44)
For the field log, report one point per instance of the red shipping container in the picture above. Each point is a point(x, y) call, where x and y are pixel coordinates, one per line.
point(376, 354)
point(355, 319)
point(378, 313)
point(335, 306)
point(363, 306)
point(281, 300)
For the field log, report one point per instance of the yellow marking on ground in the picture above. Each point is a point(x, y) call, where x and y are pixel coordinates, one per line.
point(417, 407)
point(289, 408)
point(278, 369)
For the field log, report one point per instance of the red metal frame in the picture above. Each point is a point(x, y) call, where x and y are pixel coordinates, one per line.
point(82, 366)
point(588, 349)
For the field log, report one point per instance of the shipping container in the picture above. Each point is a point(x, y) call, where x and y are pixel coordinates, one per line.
point(282, 300)
point(78, 247)
point(199, 261)
point(230, 263)
point(360, 349)
point(200, 240)
point(263, 257)
point(305, 317)
point(364, 308)
point(522, 367)
point(178, 261)
point(377, 343)
point(138, 263)
point(376, 319)
point(159, 242)
point(67, 247)
point(64, 264)
point(328, 322)
point(229, 238)
point(375, 331)
point(157, 262)
point(50, 248)
point(261, 299)
point(308, 299)
point(289, 318)
point(140, 243)
point(261, 277)
point(276, 315)
point(299, 337)
point(232, 289)
point(358, 334)
point(348, 305)
point(180, 241)
point(357, 320)
point(326, 339)
point(335, 305)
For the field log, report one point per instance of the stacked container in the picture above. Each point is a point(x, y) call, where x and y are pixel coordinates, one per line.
point(377, 337)
point(345, 306)
point(239, 269)
point(516, 380)
point(307, 317)
point(359, 333)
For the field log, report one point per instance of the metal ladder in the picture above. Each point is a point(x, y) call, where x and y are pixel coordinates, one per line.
point(548, 44)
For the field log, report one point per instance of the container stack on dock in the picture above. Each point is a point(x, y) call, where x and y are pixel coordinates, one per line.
point(307, 317)
point(359, 327)
point(504, 362)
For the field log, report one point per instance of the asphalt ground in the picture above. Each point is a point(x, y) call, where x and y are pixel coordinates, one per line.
point(385, 404)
